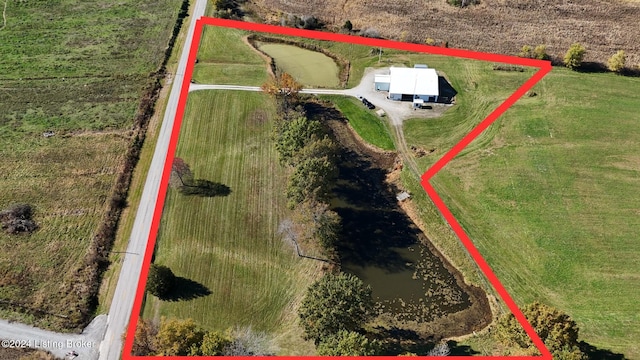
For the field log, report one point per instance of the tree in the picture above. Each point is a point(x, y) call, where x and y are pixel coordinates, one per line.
point(179, 337)
point(441, 349)
point(160, 280)
point(247, 342)
point(214, 343)
point(573, 57)
point(334, 303)
point(282, 84)
point(311, 179)
point(181, 174)
point(617, 62)
point(318, 222)
point(145, 338)
point(556, 329)
point(348, 343)
point(292, 136)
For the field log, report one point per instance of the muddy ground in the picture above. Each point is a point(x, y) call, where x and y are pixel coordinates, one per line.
point(496, 26)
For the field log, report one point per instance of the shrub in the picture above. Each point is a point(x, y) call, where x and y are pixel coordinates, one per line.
point(526, 51)
point(556, 329)
point(348, 343)
point(348, 26)
point(617, 62)
point(574, 56)
point(540, 52)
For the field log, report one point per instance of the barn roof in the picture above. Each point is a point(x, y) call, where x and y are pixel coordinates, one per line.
point(417, 81)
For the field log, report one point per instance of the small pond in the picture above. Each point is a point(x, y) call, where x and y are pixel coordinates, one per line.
point(310, 68)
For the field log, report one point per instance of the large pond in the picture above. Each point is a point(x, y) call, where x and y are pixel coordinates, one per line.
point(310, 68)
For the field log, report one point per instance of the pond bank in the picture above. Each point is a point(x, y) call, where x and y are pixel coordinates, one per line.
point(415, 287)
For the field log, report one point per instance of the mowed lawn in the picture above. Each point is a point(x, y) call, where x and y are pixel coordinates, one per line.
point(225, 58)
point(231, 244)
point(550, 197)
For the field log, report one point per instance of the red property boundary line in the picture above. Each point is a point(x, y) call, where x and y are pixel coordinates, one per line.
point(544, 67)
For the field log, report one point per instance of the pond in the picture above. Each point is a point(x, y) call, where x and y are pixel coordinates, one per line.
point(310, 68)
point(381, 245)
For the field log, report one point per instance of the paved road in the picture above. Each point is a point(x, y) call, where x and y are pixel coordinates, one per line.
point(59, 344)
point(122, 303)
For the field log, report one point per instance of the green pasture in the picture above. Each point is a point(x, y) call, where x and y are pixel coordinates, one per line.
point(310, 68)
point(549, 195)
point(231, 244)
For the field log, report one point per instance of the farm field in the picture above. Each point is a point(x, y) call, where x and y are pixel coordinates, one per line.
point(495, 26)
point(78, 69)
point(310, 68)
point(230, 245)
point(549, 196)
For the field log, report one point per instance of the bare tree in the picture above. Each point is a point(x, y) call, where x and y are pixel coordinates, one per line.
point(180, 173)
point(441, 349)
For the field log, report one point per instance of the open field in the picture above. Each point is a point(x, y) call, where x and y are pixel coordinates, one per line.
point(78, 69)
point(310, 68)
point(552, 203)
point(230, 244)
point(496, 26)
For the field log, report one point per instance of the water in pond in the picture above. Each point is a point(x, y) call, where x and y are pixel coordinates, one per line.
point(383, 247)
point(310, 68)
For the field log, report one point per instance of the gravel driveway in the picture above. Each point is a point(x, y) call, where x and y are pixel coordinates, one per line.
point(397, 111)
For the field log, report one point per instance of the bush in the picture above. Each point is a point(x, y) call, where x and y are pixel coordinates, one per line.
point(347, 26)
point(617, 62)
point(540, 52)
point(348, 343)
point(574, 56)
point(160, 280)
point(556, 329)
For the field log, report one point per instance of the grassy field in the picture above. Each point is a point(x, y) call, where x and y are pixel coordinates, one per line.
point(224, 58)
point(551, 200)
point(310, 68)
point(372, 129)
point(230, 245)
point(78, 69)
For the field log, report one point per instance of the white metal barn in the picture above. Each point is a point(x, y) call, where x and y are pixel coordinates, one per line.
point(418, 84)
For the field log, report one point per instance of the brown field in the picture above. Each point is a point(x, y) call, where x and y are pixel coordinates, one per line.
point(496, 26)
